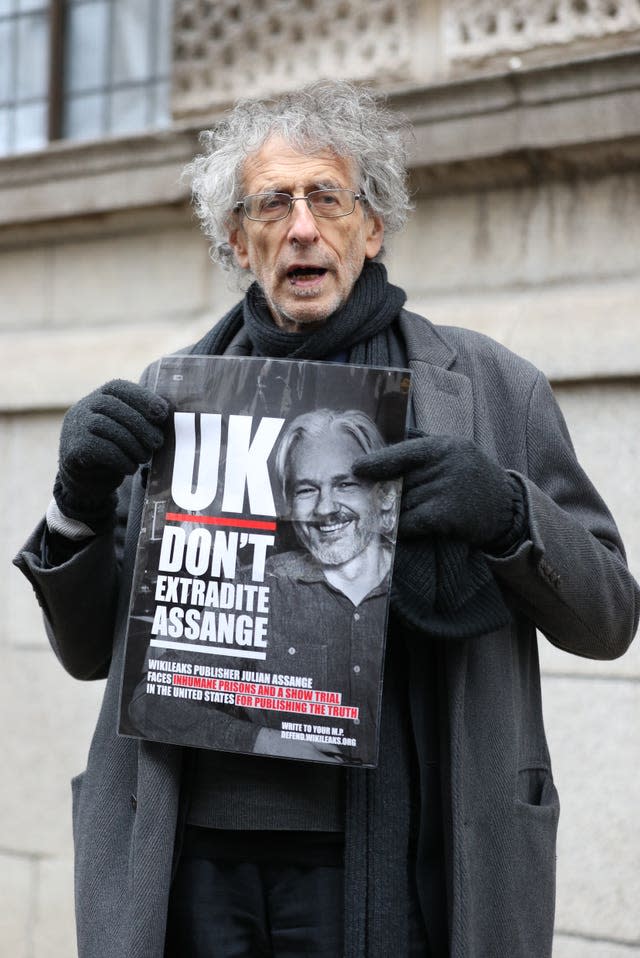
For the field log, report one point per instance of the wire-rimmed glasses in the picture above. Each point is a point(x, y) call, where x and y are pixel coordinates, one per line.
point(267, 207)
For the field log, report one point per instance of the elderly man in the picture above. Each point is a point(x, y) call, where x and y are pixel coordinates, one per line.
point(448, 847)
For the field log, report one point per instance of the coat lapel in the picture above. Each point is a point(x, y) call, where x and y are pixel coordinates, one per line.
point(442, 398)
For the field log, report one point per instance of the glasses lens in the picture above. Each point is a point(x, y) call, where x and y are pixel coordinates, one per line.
point(332, 202)
point(267, 206)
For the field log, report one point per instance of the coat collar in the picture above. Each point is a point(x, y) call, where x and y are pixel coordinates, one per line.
point(442, 397)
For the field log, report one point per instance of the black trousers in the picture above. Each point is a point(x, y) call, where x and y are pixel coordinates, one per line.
point(232, 909)
point(229, 908)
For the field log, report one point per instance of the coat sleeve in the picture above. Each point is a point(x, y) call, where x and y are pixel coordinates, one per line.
point(570, 576)
point(79, 597)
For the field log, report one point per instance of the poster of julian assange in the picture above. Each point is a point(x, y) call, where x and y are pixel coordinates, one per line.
point(261, 588)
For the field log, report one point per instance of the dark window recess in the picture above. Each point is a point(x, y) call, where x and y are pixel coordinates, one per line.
point(82, 69)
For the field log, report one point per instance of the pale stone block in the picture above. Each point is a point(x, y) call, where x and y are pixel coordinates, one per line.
point(501, 238)
point(224, 289)
point(562, 331)
point(89, 357)
point(567, 947)
point(558, 328)
point(603, 420)
point(437, 247)
point(25, 281)
point(588, 114)
point(55, 367)
point(54, 934)
point(47, 720)
point(72, 179)
point(135, 278)
point(593, 729)
point(17, 879)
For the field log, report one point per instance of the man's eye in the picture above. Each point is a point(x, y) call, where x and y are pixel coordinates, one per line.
point(304, 491)
point(325, 199)
point(270, 203)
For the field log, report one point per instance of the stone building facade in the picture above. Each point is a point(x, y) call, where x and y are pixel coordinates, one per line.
point(525, 166)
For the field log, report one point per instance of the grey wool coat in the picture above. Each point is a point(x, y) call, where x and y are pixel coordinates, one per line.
point(569, 579)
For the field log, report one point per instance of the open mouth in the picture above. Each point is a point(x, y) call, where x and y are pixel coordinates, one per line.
point(305, 274)
point(331, 528)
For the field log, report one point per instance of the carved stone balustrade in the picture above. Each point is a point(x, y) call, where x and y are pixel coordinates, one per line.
point(225, 49)
point(480, 31)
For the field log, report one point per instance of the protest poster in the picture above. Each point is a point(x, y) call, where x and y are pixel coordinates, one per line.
point(260, 593)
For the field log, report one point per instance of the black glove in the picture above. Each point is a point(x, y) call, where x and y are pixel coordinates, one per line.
point(451, 489)
point(105, 437)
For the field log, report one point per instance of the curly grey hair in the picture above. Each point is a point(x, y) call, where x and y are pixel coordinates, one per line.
point(327, 114)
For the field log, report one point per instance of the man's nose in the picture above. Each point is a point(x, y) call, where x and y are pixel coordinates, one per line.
point(303, 227)
point(325, 503)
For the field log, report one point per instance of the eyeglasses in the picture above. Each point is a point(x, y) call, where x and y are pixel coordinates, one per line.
point(266, 207)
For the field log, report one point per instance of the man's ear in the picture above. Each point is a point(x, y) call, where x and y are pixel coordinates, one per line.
point(239, 245)
point(374, 235)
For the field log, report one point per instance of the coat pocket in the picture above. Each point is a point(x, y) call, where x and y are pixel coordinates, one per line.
point(537, 808)
point(535, 790)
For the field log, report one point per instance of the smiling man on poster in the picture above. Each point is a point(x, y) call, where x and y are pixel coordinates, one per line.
point(447, 848)
point(328, 599)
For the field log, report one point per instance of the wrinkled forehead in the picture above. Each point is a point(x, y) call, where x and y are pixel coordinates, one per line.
point(279, 165)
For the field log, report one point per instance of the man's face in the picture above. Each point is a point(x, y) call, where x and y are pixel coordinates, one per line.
point(306, 267)
point(336, 515)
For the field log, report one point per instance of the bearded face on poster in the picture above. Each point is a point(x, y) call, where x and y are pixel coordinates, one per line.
point(343, 521)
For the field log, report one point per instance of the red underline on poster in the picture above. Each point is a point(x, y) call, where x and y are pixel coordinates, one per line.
point(220, 521)
point(187, 647)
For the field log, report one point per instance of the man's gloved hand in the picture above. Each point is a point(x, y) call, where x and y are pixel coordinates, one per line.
point(105, 437)
point(451, 489)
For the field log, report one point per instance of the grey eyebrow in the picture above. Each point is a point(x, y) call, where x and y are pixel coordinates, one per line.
point(314, 482)
point(318, 185)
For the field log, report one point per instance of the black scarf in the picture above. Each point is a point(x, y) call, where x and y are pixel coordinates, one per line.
point(360, 326)
point(439, 589)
